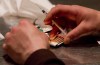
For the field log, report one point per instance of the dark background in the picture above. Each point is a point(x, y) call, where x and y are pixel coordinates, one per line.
point(95, 4)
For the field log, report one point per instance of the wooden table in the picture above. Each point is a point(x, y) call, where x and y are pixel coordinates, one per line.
point(71, 55)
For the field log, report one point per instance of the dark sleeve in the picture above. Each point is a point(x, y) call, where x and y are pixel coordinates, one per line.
point(43, 57)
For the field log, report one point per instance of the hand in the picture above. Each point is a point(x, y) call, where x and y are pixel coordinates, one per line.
point(84, 20)
point(23, 40)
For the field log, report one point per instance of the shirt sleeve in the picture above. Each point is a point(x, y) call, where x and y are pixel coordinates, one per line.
point(43, 57)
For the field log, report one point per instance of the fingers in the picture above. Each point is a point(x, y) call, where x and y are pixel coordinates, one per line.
point(7, 41)
point(25, 22)
point(76, 33)
point(7, 37)
point(14, 29)
point(60, 9)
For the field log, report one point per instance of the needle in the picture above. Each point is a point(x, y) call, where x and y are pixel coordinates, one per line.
point(59, 27)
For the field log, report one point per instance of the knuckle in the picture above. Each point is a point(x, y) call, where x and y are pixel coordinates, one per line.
point(59, 5)
point(53, 8)
point(14, 29)
point(8, 34)
point(22, 21)
point(75, 5)
point(8, 38)
point(87, 28)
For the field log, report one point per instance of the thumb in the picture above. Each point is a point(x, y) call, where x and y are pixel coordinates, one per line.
point(76, 33)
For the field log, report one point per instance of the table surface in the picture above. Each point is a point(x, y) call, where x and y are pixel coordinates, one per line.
point(84, 51)
point(71, 55)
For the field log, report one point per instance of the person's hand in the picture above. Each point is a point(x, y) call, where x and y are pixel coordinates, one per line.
point(82, 20)
point(23, 40)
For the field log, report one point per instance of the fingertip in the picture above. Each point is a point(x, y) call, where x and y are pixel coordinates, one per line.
point(48, 20)
point(67, 40)
point(49, 17)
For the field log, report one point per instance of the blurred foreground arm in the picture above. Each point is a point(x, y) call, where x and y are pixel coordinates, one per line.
point(26, 45)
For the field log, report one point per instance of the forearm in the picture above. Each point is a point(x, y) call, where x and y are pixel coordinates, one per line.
point(43, 57)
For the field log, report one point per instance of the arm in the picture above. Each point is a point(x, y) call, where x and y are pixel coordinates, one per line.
point(25, 44)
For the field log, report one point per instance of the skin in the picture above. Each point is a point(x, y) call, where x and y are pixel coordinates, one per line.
point(23, 40)
point(86, 21)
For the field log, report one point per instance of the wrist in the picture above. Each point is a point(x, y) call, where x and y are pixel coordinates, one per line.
point(29, 53)
point(39, 56)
